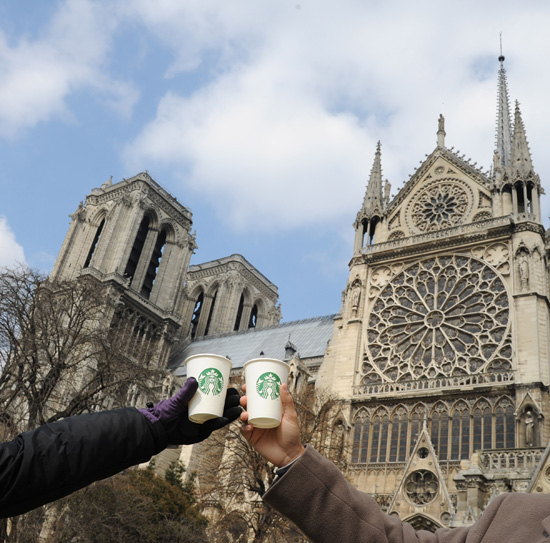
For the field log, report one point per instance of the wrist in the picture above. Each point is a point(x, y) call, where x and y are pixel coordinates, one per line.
point(292, 456)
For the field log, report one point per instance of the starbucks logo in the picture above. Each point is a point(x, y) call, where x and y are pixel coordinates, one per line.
point(211, 382)
point(268, 385)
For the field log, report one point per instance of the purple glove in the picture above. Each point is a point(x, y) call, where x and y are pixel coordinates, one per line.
point(172, 414)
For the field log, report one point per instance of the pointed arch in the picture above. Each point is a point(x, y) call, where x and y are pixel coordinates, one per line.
point(423, 522)
point(165, 233)
point(197, 310)
point(439, 430)
point(98, 223)
point(379, 435)
point(361, 433)
point(460, 431)
point(505, 434)
point(482, 425)
point(398, 439)
point(137, 247)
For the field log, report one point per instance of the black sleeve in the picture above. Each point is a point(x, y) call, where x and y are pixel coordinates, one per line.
point(56, 459)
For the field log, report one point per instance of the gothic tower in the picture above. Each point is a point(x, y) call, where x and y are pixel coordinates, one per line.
point(444, 332)
point(136, 239)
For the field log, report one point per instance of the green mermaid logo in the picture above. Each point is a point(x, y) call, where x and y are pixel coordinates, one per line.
point(211, 382)
point(268, 385)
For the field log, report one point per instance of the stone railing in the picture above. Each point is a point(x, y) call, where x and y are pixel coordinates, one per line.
point(438, 234)
point(437, 383)
point(506, 459)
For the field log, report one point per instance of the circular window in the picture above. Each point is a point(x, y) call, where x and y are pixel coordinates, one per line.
point(421, 487)
point(442, 204)
point(444, 316)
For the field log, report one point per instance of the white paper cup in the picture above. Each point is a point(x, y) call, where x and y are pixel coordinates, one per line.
point(264, 377)
point(212, 373)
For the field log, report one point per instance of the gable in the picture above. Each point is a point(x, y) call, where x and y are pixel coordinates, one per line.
point(445, 192)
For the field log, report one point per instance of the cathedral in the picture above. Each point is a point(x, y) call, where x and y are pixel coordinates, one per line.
point(439, 354)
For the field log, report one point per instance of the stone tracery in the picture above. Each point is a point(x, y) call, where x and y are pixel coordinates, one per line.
point(443, 316)
point(441, 205)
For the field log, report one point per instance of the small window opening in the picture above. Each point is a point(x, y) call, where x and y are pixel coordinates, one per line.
point(137, 248)
point(210, 314)
point(196, 314)
point(253, 317)
point(521, 199)
point(239, 313)
point(94, 244)
point(154, 264)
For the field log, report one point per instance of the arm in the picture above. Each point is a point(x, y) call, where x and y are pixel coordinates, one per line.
point(317, 497)
point(56, 459)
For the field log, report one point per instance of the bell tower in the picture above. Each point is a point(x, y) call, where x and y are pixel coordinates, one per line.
point(135, 238)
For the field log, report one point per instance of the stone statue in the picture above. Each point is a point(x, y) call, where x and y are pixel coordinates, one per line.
point(355, 298)
point(529, 428)
point(441, 124)
point(387, 190)
point(523, 268)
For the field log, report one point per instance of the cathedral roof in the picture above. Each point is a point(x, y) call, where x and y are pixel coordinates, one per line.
point(310, 336)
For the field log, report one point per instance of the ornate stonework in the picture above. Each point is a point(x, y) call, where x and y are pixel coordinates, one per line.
point(442, 204)
point(443, 316)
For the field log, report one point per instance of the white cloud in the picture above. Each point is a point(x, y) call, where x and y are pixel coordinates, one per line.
point(11, 253)
point(39, 74)
point(284, 129)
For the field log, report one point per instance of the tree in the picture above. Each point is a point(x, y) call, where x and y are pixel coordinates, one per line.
point(234, 477)
point(64, 352)
point(137, 505)
point(60, 352)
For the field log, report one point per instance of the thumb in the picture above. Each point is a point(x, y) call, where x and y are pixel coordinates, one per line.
point(181, 399)
point(289, 408)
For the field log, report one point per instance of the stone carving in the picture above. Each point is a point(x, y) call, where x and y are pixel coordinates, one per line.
point(441, 205)
point(440, 317)
point(421, 487)
point(497, 254)
point(523, 270)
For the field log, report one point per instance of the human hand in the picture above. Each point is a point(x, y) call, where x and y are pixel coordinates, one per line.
point(173, 415)
point(280, 445)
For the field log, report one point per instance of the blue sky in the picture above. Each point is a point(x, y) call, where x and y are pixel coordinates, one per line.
point(261, 116)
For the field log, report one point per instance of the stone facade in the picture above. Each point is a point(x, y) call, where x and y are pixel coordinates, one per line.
point(442, 345)
point(228, 295)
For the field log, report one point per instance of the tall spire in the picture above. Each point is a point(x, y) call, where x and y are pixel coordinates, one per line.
point(373, 201)
point(521, 164)
point(503, 139)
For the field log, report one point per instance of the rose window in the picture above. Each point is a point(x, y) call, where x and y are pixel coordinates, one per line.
point(440, 317)
point(421, 487)
point(441, 205)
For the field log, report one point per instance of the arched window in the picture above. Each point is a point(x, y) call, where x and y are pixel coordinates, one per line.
point(482, 428)
point(253, 317)
point(460, 439)
point(505, 436)
point(154, 264)
point(440, 432)
point(369, 229)
point(398, 443)
point(360, 439)
point(196, 314)
point(94, 243)
point(379, 444)
point(239, 314)
point(137, 248)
